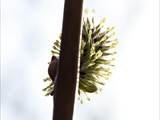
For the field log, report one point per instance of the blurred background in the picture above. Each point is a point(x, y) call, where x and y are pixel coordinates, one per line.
point(29, 28)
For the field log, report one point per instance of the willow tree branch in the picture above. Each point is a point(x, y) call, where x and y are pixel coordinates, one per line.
point(68, 63)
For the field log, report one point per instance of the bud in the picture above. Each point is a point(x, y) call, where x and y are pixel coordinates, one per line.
point(52, 69)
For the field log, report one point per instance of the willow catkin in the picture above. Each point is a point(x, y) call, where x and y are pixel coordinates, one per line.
point(97, 52)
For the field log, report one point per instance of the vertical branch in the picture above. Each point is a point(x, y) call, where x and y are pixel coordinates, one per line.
point(68, 63)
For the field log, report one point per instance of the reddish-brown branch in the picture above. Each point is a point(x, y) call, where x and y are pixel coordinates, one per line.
point(68, 62)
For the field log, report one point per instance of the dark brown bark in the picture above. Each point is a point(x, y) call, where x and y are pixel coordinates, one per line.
point(68, 61)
